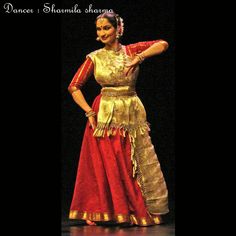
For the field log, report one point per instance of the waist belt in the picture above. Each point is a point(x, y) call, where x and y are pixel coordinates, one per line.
point(118, 91)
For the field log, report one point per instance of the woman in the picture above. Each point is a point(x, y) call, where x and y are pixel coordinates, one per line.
point(119, 176)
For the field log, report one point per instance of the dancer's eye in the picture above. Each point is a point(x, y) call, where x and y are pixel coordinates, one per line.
point(106, 27)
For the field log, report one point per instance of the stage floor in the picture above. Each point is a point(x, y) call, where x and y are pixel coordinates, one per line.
point(72, 228)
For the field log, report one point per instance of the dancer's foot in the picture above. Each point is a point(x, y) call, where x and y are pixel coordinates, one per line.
point(89, 222)
point(158, 220)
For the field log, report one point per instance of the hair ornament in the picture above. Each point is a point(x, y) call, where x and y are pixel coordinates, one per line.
point(120, 25)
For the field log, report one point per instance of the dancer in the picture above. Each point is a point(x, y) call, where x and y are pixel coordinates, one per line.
point(119, 177)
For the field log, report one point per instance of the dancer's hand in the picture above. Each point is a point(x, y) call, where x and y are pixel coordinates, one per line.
point(92, 122)
point(130, 67)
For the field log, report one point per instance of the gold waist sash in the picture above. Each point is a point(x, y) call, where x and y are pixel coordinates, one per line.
point(118, 91)
point(119, 107)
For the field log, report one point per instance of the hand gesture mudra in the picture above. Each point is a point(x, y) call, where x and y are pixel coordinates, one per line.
point(130, 67)
point(91, 115)
point(92, 122)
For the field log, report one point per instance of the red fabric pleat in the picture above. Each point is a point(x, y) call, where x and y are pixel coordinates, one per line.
point(104, 181)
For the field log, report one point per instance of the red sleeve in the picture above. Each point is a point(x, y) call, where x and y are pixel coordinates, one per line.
point(135, 48)
point(81, 76)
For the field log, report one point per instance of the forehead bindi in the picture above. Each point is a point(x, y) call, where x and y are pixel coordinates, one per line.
point(103, 22)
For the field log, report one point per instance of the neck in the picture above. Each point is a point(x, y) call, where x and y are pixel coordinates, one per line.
point(114, 46)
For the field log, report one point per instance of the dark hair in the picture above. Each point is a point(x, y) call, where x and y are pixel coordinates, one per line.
point(112, 17)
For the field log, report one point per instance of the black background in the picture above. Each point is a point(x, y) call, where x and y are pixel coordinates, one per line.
point(30, 120)
point(38, 117)
point(42, 127)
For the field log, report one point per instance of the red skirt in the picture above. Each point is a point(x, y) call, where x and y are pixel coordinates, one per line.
point(105, 189)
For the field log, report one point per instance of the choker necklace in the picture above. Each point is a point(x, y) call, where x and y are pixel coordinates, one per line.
point(115, 50)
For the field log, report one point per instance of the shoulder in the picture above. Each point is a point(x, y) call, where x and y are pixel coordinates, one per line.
point(94, 53)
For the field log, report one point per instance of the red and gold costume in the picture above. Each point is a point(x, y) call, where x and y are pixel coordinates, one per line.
point(119, 176)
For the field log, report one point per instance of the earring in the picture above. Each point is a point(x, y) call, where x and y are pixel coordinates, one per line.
point(118, 36)
point(98, 39)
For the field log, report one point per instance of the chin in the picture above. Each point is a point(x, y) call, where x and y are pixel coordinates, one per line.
point(105, 41)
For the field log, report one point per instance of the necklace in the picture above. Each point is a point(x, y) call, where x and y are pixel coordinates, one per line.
point(115, 49)
point(117, 60)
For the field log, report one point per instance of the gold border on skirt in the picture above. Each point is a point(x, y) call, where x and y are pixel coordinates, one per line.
point(119, 218)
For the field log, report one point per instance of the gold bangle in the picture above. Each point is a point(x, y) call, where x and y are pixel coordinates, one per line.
point(90, 113)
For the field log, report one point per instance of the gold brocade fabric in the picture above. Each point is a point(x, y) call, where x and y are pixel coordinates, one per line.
point(122, 111)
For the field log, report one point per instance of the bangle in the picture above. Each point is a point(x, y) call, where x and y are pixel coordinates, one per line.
point(90, 113)
point(140, 57)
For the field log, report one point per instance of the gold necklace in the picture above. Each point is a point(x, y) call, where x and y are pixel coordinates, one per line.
point(116, 49)
point(119, 61)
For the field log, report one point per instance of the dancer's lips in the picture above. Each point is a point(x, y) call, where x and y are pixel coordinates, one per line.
point(104, 38)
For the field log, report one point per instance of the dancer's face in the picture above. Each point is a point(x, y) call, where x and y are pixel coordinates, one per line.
point(105, 31)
